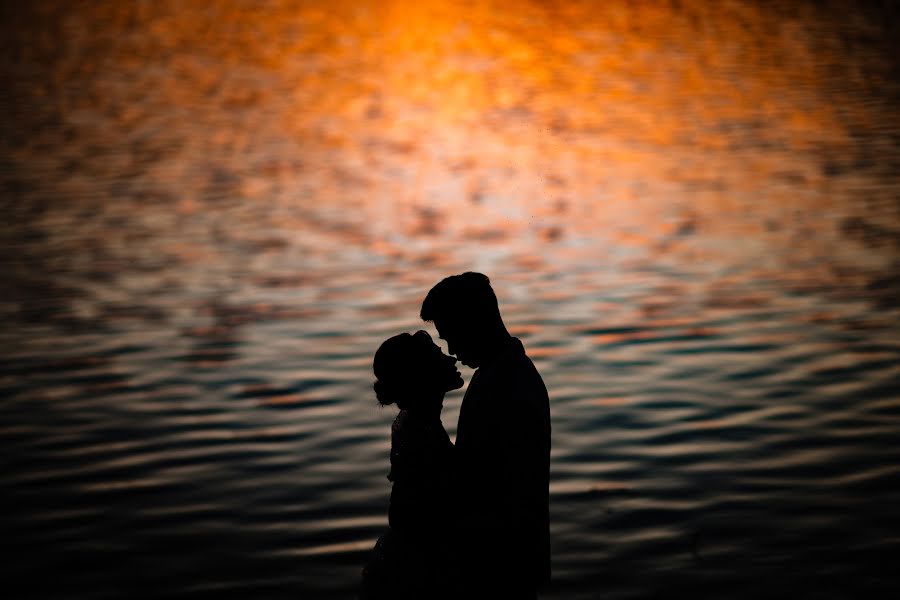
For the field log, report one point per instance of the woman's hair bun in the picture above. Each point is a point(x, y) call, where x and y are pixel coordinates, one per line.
point(383, 393)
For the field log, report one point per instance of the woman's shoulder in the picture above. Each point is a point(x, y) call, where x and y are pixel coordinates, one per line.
point(409, 429)
point(411, 423)
point(406, 426)
point(401, 422)
point(405, 431)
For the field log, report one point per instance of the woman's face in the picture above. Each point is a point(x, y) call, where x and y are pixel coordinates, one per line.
point(433, 367)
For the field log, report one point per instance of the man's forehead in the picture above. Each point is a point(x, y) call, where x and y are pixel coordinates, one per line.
point(444, 330)
point(446, 323)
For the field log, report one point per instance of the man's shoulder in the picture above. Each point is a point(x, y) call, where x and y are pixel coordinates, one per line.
point(522, 365)
point(516, 374)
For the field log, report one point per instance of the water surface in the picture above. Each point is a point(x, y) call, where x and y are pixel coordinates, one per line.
point(216, 211)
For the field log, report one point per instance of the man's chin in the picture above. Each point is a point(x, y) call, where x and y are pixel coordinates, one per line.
point(456, 384)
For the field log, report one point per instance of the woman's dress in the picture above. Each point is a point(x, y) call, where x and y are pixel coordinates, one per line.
point(414, 559)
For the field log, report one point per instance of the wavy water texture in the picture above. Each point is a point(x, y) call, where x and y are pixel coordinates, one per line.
point(216, 211)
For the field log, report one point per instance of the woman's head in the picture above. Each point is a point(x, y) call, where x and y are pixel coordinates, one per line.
point(412, 369)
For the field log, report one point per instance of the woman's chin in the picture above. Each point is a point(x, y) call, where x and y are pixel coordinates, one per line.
point(456, 383)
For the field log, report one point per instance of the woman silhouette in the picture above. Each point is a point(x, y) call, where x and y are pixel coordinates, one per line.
point(413, 559)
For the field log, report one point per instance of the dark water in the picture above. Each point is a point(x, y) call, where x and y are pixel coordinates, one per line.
point(215, 212)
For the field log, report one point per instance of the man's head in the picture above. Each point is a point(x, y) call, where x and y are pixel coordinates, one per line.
point(465, 312)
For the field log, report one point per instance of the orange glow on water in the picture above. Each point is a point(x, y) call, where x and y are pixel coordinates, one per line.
point(506, 125)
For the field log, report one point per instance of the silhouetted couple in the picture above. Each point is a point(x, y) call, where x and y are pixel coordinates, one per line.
point(470, 520)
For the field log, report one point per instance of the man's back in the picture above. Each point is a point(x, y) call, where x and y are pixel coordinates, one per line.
point(503, 450)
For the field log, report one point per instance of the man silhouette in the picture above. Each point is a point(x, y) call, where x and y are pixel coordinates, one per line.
point(502, 444)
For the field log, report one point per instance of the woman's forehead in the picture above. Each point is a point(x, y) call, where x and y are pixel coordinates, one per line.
point(423, 337)
point(428, 341)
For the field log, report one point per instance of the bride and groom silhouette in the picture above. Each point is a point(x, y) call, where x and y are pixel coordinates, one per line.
point(470, 519)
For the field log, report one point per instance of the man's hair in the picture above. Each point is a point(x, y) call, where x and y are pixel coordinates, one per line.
point(468, 296)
